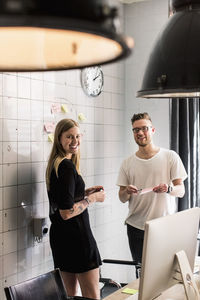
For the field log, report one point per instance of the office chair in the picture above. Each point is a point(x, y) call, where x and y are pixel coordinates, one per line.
point(48, 286)
point(109, 285)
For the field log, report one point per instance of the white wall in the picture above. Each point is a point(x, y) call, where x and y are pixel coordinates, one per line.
point(144, 20)
point(25, 106)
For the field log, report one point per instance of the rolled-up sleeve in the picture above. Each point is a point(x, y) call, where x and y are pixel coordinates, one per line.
point(177, 168)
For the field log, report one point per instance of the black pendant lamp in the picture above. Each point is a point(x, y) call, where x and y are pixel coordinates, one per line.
point(173, 69)
point(39, 35)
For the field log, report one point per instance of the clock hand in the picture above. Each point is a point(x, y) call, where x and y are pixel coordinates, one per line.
point(96, 72)
point(96, 77)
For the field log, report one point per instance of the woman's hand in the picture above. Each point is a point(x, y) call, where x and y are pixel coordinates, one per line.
point(93, 189)
point(97, 197)
point(80, 206)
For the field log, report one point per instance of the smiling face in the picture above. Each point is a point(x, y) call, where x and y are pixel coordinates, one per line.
point(143, 132)
point(70, 141)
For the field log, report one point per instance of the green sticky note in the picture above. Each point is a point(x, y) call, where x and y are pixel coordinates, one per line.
point(129, 291)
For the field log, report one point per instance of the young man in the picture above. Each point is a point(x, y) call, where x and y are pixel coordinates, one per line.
point(149, 180)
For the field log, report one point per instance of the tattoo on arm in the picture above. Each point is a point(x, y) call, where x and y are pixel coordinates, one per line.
point(80, 208)
point(77, 209)
point(71, 210)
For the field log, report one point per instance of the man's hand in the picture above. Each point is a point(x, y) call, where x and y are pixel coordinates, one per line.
point(161, 188)
point(125, 192)
point(131, 189)
point(177, 191)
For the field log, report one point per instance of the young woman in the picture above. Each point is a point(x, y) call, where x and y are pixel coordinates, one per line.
point(73, 246)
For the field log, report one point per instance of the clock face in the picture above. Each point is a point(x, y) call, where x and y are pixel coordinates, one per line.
point(92, 80)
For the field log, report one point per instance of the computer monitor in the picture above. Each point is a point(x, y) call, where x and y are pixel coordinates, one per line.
point(164, 237)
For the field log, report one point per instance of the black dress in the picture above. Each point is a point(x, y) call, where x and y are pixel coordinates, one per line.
point(72, 243)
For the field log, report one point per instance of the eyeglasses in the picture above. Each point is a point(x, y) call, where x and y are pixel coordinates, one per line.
point(144, 129)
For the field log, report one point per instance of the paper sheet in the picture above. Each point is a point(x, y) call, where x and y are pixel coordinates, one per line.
point(146, 190)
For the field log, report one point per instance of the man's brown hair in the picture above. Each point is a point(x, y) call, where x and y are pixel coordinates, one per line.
point(140, 116)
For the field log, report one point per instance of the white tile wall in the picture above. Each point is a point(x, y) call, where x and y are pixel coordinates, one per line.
point(10, 267)
point(10, 152)
point(10, 85)
point(37, 128)
point(24, 260)
point(9, 130)
point(24, 129)
point(36, 110)
point(1, 128)
point(24, 90)
point(24, 194)
point(24, 173)
point(1, 221)
point(9, 242)
point(10, 219)
point(9, 196)
point(1, 199)
point(24, 218)
point(9, 174)
point(24, 109)
point(23, 242)
point(37, 90)
point(9, 107)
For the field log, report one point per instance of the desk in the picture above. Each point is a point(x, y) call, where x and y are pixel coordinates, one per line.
point(118, 295)
point(174, 293)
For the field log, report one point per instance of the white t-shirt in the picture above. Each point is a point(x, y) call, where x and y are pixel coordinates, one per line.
point(163, 167)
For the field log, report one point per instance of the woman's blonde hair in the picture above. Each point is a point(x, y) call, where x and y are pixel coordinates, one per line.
point(57, 153)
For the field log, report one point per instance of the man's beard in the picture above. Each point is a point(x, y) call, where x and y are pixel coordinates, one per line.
point(142, 145)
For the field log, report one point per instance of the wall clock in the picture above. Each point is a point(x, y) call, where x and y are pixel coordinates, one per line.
point(92, 80)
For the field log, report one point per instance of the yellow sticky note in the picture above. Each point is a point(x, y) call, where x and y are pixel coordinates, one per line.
point(50, 137)
point(81, 117)
point(64, 108)
point(129, 291)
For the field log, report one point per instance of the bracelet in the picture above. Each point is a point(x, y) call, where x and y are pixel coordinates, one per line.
point(87, 200)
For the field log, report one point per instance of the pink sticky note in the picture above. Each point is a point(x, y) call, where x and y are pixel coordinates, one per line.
point(146, 190)
point(55, 108)
point(49, 127)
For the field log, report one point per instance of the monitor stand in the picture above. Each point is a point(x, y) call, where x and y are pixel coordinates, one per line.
point(191, 289)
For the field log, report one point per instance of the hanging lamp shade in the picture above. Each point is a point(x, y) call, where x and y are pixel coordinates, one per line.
point(173, 69)
point(39, 35)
